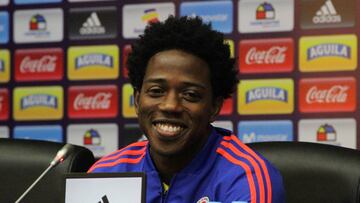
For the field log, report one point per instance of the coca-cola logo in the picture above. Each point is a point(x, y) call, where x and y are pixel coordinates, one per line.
point(46, 63)
point(1, 103)
point(273, 55)
point(335, 94)
point(100, 101)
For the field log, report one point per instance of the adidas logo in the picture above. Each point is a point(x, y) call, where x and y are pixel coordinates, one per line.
point(327, 14)
point(104, 199)
point(92, 26)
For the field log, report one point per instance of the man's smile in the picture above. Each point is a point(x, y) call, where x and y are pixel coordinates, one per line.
point(168, 129)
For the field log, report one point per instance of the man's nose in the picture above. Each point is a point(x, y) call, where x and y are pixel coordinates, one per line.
point(171, 102)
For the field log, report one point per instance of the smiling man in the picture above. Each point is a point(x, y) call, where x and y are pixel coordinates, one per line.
point(181, 72)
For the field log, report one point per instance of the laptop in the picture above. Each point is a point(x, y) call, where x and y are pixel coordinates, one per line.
point(105, 187)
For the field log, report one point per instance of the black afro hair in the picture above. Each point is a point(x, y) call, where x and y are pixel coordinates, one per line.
point(191, 35)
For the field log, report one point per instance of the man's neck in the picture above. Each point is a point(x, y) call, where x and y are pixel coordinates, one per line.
point(168, 166)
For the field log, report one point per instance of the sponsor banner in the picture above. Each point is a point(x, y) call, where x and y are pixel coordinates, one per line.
point(97, 101)
point(265, 131)
point(137, 16)
point(340, 132)
point(257, 96)
point(265, 16)
point(133, 134)
point(227, 107)
point(101, 139)
point(38, 103)
point(218, 13)
point(327, 14)
point(4, 27)
point(4, 104)
point(20, 2)
point(224, 124)
point(4, 132)
point(327, 95)
point(231, 46)
point(4, 2)
point(93, 62)
point(38, 25)
point(266, 55)
point(92, 23)
point(126, 51)
point(39, 64)
point(128, 101)
point(328, 53)
point(53, 133)
point(87, 0)
point(4, 65)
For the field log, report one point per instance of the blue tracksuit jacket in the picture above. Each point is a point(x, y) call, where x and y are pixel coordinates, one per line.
point(225, 171)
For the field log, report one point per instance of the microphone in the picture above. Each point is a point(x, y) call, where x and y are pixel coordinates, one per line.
point(61, 155)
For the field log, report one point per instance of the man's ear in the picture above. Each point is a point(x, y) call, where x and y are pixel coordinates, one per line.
point(136, 100)
point(218, 102)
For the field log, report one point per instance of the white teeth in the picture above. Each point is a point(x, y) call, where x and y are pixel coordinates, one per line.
point(168, 128)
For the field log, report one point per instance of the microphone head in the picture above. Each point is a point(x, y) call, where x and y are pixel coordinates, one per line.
point(62, 154)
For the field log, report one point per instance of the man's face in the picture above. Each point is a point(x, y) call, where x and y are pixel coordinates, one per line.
point(175, 104)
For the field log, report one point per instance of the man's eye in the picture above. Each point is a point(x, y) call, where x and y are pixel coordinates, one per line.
point(192, 96)
point(155, 92)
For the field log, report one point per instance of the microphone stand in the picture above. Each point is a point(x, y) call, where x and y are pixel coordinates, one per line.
point(34, 183)
point(59, 158)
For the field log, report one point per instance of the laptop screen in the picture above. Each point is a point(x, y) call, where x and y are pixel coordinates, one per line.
point(105, 187)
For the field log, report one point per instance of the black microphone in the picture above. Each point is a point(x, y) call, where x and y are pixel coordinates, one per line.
point(61, 155)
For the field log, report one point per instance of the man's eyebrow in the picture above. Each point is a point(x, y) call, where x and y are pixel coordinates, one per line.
point(162, 81)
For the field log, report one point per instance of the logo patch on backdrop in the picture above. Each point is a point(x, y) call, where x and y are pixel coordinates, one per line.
point(4, 104)
point(341, 132)
point(52, 133)
point(4, 132)
point(87, 0)
point(4, 2)
point(125, 54)
point(218, 13)
point(39, 64)
point(265, 131)
point(101, 139)
point(4, 27)
point(266, 55)
point(128, 101)
point(38, 103)
point(137, 16)
point(20, 2)
point(40, 25)
point(92, 23)
point(227, 107)
point(326, 132)
point(327, 94)
point(256, 96)
point(224, 124)
point(92, 137)
point(328, 53)
point(231, 47)
point(93, 101)
point(327, 14)
point(93, 62)
point(265, 16)
point(4, 65)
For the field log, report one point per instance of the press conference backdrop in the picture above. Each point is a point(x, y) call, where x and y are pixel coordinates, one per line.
point(63, 68)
